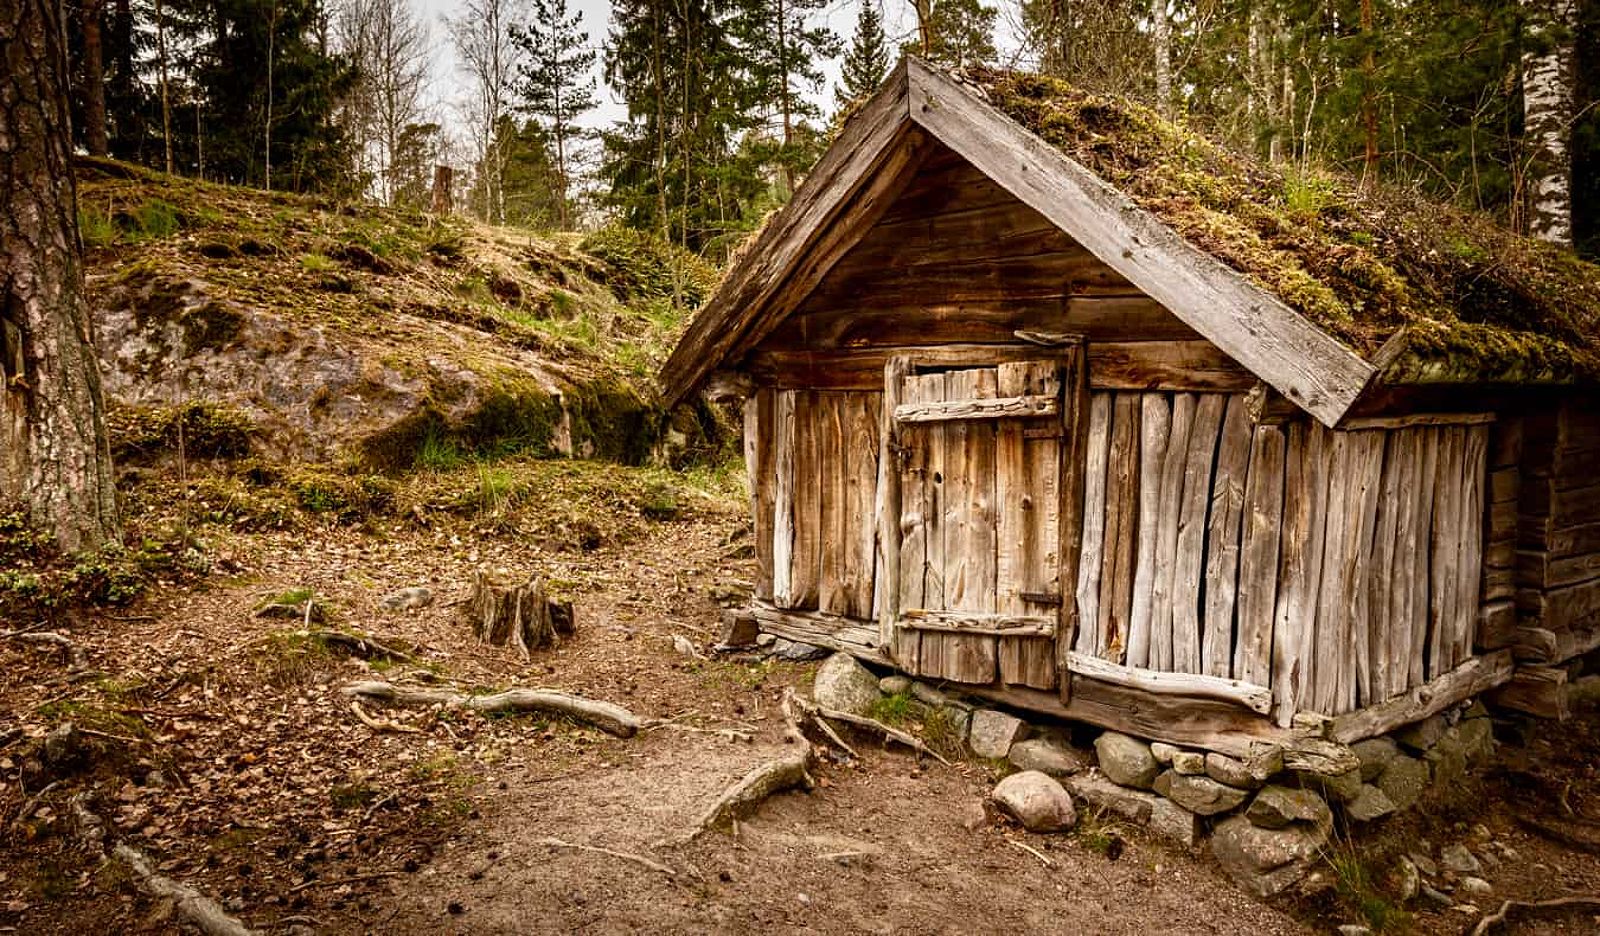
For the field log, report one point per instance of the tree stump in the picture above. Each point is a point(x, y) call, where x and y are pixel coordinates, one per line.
point(519, 615)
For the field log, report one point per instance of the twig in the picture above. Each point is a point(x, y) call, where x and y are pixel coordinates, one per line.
point(125, 739)
point(1032, 851)
point(353, 879)
point(378, 804)
point(732, 734)
point(364, 647)
point(386, 724)
point(33, 803)
point(817, 713)
point(1534, 907)
point(640, 860)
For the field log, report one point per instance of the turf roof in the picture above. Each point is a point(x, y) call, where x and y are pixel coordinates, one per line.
point(1477, 303)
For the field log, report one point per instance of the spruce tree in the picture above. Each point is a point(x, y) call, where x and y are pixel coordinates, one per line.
point(555, 82)
point(955, 32)
point(867, 60)
point(781, 50)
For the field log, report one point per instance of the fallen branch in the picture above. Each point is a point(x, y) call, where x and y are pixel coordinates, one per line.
point(381, 724)
point(742, 799)
point(613, 719)
point(808, 715)
point(73, 653)
point(1574, 833)
point(33, 803)
point(364, 647)
point(1533, 908)
point(1030, 850)
point(640, 860)
point(204, 913)
point(871, 724)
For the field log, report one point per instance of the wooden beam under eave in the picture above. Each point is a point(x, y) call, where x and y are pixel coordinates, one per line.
point(829, 198)
point(1252, 326)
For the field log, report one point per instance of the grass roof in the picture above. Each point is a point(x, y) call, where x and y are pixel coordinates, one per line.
point(1476, 302)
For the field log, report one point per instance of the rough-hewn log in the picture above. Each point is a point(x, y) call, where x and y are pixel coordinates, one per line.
point(1477, 675)
point(1540, 691)
point(1255, 698)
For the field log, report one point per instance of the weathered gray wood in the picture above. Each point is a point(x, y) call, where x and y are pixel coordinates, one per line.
point(783, 518)
point(997, 408)
point(1155, 424)
point(1422, 572)
point(1384, 660)
point(1169, 511)
point(930, 658)
point(1444, 578)
point(761, 468)
point(832, 479)
point(1365, 490)
point(1025, 494)
point(1094, 521)
point(1249, 324)
point(1475, 676)
point(1256, 698)
point(888, 503)
point(1540, 691)
point(1412, 420)
point(978, 623)
point(1300, 568)
point(1223, 540)
point(976, 657)
point(1069, 494)
point(1189, 559)
point(861, 455)
point(1331, 665)
point(807, 497)
point(825, 630)
point(1122, 507)
point(841, 198)
point(1473, 510)
point(1258, 556)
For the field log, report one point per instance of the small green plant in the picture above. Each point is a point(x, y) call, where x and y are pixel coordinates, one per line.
point(316, 263)
point(497, 489)
point(659, 501)
point(1358, 888)
point(896, 709)
point(944, 730)
point(1306, 194)
point(96, 226)
point(153, 220)
point(348, 796)
point(439, 452)
point(1097, 835)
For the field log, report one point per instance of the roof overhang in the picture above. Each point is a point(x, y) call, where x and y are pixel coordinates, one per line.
point(875, 156)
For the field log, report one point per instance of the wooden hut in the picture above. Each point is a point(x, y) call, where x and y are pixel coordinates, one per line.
point(1052, 400)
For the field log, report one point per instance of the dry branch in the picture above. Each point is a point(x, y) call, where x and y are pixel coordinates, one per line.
point(70, 650)
point(742, 799)
point(816, 713)
point(606, 716)
point(364, 647)
point(381, 724)
point(640, 860)
point(1533, 908)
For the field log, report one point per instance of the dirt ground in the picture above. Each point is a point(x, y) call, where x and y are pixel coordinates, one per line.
point(221, 745)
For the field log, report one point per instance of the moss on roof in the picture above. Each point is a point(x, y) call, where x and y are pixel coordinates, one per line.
point(1478, 303)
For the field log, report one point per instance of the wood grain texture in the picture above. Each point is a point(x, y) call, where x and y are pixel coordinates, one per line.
point(1444, 550)
point(1258, 555)
point(1121, 526)
point(861, 447)
point(1473, 521)
point(1330, 660)
point(888, 505)
point(1169, 509)
point(1249, 324)
point(1421, 572)
point(1155, 431)
point(1365, 490)
point(806, 562)
point(979, 622)
point(832, 482)
point(761, 468)
point(1256, 698)
point(1299, 575)
point(1069, 491)
point(969, 528)
point(1098, 444)
point(1027, 472)
point(1189, 562)
point(1386, 663)
point(1471, 678)
point(1223, 539)
point(1012, 407)
point(783, 517)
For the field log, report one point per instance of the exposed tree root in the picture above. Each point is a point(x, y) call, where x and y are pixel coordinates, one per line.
point(613, 719)
point(743, 798)
point(364, 647)
point(74, 654)
point(381, 724)
point(639, 860)
point(816, 713)
point(204, 913)
point(1572, 832)
point(1533, 908)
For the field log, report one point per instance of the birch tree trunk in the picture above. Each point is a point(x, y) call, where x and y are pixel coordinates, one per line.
point(1161, 33)
point(55, 456)
point(1547, 92)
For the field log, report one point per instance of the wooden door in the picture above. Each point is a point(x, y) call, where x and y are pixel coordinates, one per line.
point(972, 579)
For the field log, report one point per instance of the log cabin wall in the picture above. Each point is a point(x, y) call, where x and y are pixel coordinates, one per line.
point(1337, 568)
point(1557, 563)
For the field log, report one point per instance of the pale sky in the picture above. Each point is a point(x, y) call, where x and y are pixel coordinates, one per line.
point(840, 15)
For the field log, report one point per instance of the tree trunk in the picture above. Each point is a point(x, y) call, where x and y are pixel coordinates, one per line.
point(94, 80)
point(56, 457)
point(1369, 101)
point(1547, 92)
point(1162, 34)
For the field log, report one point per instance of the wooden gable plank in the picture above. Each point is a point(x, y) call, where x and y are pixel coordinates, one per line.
point(1302, 362)
point(843, 196)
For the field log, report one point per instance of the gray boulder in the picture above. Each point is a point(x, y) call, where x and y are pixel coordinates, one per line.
point(1162, 816)
point(1460, 859)
point(1247, 775)
point(1338, 787)
point(794, 651)
point(1163, 752)
point(1204, 796)
point(992, 733)
point(1266, 862)
point(1046, 755)
point(1188, 763)
point(1126, 760)
point(408, 599)
point(1422, 735)
point(1477, 739)
point(1375, 754)
point(845, 685)
point(1403, 781)
point(1278, 806)
point(1036, 800)
point(894, 685)
point(1371, 803)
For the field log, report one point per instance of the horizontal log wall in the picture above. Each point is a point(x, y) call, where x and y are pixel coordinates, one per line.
point(1339, 568)
point(812, 457)
point(1557, 561)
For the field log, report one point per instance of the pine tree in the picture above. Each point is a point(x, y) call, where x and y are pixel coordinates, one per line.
point(781, 50)
point(955, 32)
point(555, 82)
point(867, 60)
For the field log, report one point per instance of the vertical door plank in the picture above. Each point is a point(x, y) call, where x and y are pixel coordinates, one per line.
point(937, 490)
point(1474, 519)
point(1422, 553)
point(1258, 556)
point(1381, 623)
point(972, 658)
point(1223, 538)
point(784, 441)
point(1035, 657)
point(833, 492)
point(759, 466)
point(1025, 496)
point(887, 503)
point(1189, 563)
point(1444, 542)
point(1155, 430)
point(1069, 500)
point(807, 498)
point(1332, 661)
point(1305, 500)
point(1098, 444)
point(915, 499)
point(1169, 511)
point(861, 456)
point(1122, 518)
point(1365, 485)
